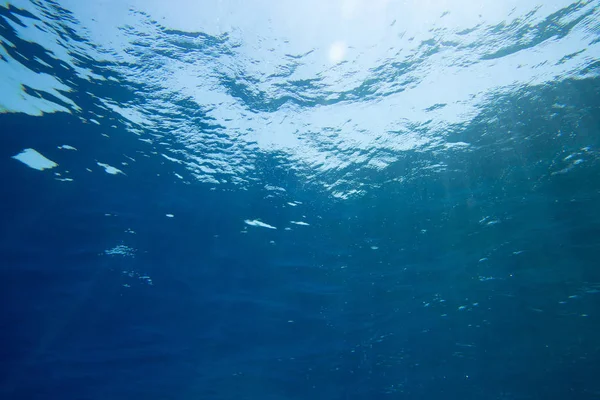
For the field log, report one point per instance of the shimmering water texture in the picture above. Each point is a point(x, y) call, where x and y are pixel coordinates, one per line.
point(342, 199)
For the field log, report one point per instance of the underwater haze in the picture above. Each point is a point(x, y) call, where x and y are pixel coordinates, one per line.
point(281, 200)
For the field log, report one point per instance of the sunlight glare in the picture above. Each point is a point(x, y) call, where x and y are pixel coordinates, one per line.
point(337, 52)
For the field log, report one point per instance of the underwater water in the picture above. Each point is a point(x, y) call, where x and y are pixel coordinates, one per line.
point(340, 199)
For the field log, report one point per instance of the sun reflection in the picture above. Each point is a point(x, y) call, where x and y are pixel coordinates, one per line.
point(337, 52)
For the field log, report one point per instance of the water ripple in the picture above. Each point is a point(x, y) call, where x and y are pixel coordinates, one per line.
point(332, 110)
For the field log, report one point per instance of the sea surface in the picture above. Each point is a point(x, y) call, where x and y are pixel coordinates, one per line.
point(281, 200)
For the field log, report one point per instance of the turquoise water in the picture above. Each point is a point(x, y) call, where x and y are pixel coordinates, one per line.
point(326, 200)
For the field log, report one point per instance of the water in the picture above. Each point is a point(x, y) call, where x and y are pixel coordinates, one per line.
point(326, 200)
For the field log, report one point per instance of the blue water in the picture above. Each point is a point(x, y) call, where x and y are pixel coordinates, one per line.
point(338, 200)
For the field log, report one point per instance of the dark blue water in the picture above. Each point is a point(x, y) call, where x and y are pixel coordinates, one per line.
point(226, 217)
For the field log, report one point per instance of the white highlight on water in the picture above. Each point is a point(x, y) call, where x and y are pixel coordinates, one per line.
point(259, 224)
point(300, 223)
point(110, 170)
point(33, 159)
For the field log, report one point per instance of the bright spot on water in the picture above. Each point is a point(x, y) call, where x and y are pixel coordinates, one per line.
point(169, 215)
point(337, 52)
point(121, 250)
point(35, 160)
point(300, 223)
point(259, 224)
point(110, 170)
